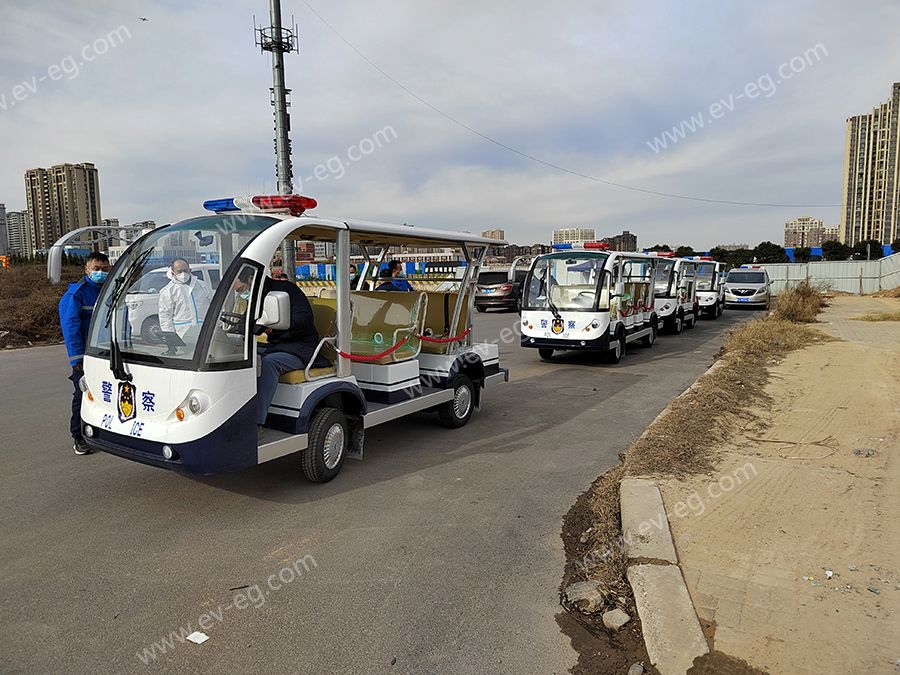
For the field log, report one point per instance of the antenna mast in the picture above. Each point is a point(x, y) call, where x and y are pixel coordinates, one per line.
point(280, 41)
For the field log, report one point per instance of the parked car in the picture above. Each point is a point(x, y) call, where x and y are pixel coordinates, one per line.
point(748, 285)
point(143, 299)
point(502, 287)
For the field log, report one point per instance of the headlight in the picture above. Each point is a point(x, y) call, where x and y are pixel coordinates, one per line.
point(88, 431)
point(524, 322)
point(194, 405)
point(168, 453)
point(82, 384)
point(595, 324)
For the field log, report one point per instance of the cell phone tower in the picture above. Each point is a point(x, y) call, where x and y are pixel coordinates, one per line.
point(279, 41)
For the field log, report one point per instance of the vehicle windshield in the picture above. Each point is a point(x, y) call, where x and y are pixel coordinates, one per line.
point(743, 277)
point(565, 281)
point(167, 285)
point(492, 278)
point(706, 277)
point(664, 273)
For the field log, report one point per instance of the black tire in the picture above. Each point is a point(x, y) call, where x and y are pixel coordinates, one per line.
point(693, 322)
point(480, 308)
point(545, 353)
point(678, 322)
point(720, 309)
point(329, 435)
point(617, 352)
point(648, 340)
point(150, 330)
point(456, 412)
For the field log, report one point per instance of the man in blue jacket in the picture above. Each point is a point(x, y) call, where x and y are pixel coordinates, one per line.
point(75, 309)
point(394, 281)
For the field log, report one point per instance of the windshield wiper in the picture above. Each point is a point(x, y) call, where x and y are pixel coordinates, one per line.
point(550, 304)
point(116, 362)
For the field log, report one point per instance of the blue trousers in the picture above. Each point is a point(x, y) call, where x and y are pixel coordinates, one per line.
point(273, 365)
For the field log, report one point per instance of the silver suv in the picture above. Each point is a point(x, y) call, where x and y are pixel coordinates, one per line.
point(748, 285)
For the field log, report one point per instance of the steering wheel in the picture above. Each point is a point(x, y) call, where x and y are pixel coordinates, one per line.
point(231, 320)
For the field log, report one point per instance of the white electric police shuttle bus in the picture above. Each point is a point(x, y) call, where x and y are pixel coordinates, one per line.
point(583, 296)
point(710, 286)
point(676, 291)
point(190, 404)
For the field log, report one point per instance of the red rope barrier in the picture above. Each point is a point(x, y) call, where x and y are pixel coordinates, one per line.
point(365, 359)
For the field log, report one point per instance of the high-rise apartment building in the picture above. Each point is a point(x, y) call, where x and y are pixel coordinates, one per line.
point(871, 187)
point(623, 242)
point(61, 199)
point(4, 238)
point(807, 231)
point(494, 234)
point(569, 235)
point(18, 234)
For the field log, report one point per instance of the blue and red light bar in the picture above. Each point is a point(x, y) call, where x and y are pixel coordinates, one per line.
point(582, 245)
point(293, 204)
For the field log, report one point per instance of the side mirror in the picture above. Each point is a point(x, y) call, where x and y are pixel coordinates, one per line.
point(276, 311)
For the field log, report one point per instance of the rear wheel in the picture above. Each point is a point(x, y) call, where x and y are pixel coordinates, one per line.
point(678, 324)
point(545, 353)
point(456, 412)
point(328, 437)
point(618, 348)
point(693, 321)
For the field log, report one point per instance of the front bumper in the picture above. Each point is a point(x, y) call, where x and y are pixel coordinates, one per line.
point(600, 343)
point(747, 300)
point(231, 447)
point(495, 301)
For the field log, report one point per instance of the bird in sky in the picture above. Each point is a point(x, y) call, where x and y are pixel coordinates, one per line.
point(143, 18)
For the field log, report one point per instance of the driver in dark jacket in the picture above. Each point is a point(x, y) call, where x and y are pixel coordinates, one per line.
point(285, 350)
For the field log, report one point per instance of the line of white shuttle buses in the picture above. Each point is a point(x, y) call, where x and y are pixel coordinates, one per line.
point(584, 296)
point(187, 401)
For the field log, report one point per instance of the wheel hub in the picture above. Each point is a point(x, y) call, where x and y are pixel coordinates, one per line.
point(462, 402)
point(334, 446)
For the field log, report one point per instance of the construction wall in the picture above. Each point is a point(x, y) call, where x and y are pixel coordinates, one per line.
point(849, 276)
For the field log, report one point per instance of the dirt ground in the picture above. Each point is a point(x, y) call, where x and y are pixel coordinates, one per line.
point(812, 486)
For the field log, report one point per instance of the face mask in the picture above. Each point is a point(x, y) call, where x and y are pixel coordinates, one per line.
point(183, 277)
point(98, 276)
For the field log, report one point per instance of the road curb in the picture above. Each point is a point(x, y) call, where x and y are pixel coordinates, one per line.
point(671, 630)
point(669, 623)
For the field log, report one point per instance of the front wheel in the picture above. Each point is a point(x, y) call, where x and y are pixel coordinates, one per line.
point(648, 340)
point(678, 324)
point(545, 353)
point(456, 412)
point(150, 330)
point(618, 349)
point(481, 308)
point(328, 437)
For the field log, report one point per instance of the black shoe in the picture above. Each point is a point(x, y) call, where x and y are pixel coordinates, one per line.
point(81, 448)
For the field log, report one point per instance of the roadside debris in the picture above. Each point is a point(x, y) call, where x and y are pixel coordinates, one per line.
point(864, 452)
point(197, 637)
point(638, 669)
point(585, 596)
point(615, 619)
point(853, 568)
point(873, 589)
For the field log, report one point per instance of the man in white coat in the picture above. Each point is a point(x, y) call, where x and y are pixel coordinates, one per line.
point(183, 302)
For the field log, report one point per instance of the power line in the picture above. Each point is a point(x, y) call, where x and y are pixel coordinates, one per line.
point(538, 160)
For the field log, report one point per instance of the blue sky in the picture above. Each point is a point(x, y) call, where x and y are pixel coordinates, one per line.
point(177, 111)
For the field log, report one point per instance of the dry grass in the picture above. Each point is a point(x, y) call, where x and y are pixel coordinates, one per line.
point(891, 293)
point(29, 305)
point(879, 316)
point(800, 303)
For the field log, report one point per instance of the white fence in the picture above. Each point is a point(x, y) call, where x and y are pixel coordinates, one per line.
point(850, 276)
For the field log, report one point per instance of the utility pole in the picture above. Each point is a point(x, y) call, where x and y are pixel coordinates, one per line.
point(280, 41)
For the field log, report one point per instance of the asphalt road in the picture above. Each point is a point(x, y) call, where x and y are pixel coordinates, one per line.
point(439, 552)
